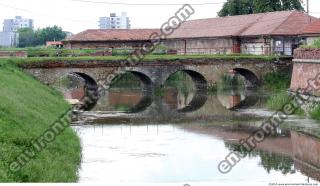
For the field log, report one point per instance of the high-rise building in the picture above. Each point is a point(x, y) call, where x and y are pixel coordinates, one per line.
point(9, 36)
point(8, 39)
point(115, 22)
point(13, 25)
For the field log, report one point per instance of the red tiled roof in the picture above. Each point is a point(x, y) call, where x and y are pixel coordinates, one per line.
point(273, 23)
point(313, 28)
point(54, 43)
point(114, 35)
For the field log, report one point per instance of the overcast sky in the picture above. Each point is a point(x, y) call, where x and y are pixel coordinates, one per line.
point(78, 16)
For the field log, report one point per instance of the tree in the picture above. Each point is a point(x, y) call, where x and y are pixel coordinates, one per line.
point(29, 37)
point(241, 7)
point(26, 37)
point(54, 33)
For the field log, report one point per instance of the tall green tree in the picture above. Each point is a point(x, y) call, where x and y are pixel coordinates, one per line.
point(29, 37)
point(26, 37)
point(54, 33)
point(241, 7)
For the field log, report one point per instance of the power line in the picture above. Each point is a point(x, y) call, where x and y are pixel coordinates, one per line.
point(145, 4)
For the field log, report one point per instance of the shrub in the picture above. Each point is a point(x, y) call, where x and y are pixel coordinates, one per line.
point(277, 81)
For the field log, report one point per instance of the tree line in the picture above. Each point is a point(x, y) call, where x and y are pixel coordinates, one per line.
point(30, 38)
point(241, 7)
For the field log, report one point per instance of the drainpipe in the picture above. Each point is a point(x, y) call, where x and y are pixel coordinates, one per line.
point(283, 46)
point(185, 47)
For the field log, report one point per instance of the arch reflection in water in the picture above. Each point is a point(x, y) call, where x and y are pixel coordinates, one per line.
point(124, 100)
point(129, 92)
point(237, 98)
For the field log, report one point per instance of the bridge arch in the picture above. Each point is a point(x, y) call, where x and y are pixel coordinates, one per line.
point(200, 93)
point(198, 79)
point(91, 91)
point(251, 78)
point(145, 80)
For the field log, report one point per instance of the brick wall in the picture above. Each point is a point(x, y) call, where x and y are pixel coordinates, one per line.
point(13, 54)
point(303, 53)
point(306, 66)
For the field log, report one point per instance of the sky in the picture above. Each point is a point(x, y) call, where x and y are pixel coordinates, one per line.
point(75, 16)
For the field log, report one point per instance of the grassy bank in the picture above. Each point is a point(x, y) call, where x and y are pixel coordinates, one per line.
point(146, 58)
point(27, 109)
point(278, 83)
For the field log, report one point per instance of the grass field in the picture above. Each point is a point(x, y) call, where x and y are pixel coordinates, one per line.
point(27, 109)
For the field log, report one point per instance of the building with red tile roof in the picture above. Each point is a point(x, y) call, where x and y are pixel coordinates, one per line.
point(110, 38)
point(263, 33)
point(311, 32)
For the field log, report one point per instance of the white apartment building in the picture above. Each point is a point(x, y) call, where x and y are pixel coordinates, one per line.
point(9, 39)
point(115, 22)
point(9, 36)
point(13, 25)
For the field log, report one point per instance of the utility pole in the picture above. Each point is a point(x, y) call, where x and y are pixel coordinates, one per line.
point(308, 10)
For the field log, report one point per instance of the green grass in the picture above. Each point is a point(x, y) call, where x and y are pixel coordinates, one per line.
point(277, 81)
point(27, 109)
point(146, 59)
point(277, 101)
point(315, 112)
point(122, 108)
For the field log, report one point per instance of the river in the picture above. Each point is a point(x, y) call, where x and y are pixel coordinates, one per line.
point(133, 136)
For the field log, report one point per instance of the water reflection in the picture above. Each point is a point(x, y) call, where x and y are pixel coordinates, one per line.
point(191, 153)
point(124, 100)
point(195, 131)
point(136, 100)
point(238, 98)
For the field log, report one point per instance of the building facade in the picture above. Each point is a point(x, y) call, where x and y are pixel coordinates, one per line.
point(311, 33)
point(13, 25)
point(115, 22)
point(9, 39)
point(260, 34)
point(9, 36)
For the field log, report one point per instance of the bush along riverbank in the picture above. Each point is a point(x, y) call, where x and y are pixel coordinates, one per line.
point(27, 109)
point(279, 83)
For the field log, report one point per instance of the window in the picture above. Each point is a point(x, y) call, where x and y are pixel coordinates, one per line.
point(278, 46)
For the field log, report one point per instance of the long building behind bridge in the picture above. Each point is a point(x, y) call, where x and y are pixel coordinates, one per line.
point(264, 33)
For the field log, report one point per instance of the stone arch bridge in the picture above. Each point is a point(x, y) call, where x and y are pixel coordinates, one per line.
point(204, 72)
